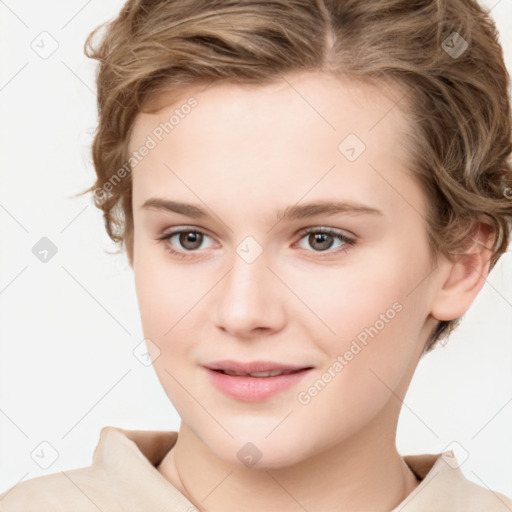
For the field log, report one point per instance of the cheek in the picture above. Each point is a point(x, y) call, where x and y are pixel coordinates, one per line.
point(366, 364)
point(373, 323)
point(165, 300)
point(354, 301)
point(163, 290)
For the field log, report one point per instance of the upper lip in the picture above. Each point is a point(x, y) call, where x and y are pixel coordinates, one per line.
point(252, 366)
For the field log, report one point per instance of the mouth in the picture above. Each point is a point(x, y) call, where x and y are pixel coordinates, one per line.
point(254, 368)
point(255, 381)
point(270, 373)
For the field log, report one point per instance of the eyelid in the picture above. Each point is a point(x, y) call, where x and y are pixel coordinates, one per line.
point(331, 231)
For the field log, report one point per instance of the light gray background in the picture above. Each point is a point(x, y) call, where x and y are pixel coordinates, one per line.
point(69, 326)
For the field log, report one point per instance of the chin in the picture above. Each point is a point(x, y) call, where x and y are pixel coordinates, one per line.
point(253, 450)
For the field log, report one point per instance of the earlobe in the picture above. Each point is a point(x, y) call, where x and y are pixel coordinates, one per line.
point(464, 276)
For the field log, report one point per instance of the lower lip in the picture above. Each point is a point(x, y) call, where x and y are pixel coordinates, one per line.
point(254, 389)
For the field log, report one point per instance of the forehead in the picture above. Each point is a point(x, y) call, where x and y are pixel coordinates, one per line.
point(320, 100)
point(287, 135)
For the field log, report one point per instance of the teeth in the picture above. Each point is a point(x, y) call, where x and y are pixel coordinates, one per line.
point(266, 374)
point(273, 373)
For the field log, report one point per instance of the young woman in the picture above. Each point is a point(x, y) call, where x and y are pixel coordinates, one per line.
point(310, 194)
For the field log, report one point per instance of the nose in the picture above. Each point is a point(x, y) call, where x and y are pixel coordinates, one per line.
point(249, 299)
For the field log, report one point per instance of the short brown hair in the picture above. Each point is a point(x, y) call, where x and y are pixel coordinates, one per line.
point(444, 54)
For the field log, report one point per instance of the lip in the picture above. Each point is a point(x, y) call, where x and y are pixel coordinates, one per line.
point(252, 366)
point(254, 389)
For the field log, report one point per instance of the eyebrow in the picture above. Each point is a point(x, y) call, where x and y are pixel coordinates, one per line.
point(302, 211)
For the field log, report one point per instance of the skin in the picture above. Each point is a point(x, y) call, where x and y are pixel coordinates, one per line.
point(243, 153)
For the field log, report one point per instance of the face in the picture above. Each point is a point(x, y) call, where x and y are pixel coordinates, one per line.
point(340, 291)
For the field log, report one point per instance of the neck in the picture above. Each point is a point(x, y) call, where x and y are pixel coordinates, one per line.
point(364, 472)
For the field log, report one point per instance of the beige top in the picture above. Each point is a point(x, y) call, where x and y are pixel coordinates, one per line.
point(124, 478)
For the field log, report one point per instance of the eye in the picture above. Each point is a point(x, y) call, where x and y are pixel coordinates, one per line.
point(322, 239)
point(191, 240)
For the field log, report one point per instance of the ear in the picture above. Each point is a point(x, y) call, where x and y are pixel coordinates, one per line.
point(464, 276)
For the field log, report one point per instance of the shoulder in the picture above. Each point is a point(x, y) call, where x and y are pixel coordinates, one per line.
point(80, 490)
point(445, 487)
point(474, 497)
point(123, 471)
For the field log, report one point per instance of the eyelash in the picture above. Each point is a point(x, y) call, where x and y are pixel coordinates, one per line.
point(348, 242)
